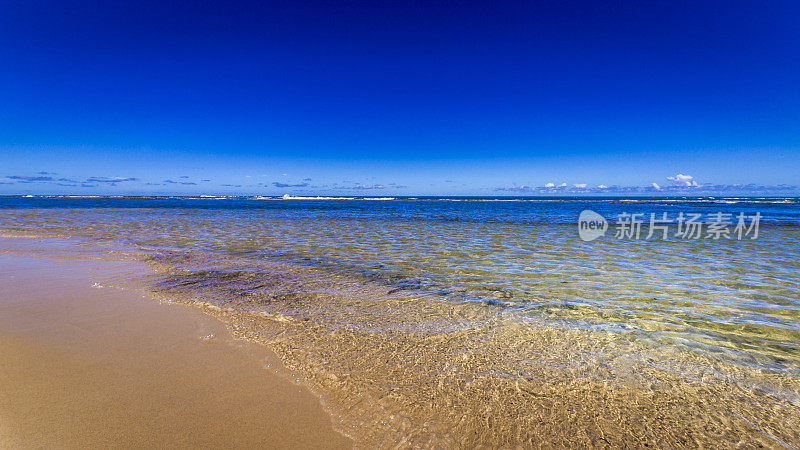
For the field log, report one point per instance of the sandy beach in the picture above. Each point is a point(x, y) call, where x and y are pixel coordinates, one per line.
point(90, 366)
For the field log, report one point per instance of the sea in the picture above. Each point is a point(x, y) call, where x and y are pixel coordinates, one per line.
point(487, 321)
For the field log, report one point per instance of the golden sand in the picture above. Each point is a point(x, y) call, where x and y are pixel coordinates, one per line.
point(85, 366)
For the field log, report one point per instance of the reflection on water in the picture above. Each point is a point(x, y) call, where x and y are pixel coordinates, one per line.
point(469, 323)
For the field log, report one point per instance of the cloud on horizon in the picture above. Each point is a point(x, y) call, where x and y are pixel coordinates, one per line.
point(361, 187)
point(678, 184)
point(109, 179)
point(278, 184)
point(682, 184)
point(685, 180)
point(28, 179)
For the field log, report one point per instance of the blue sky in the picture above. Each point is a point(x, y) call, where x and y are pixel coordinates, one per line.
point(376, 98)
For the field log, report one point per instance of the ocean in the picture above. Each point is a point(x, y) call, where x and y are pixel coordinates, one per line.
point(487, 321)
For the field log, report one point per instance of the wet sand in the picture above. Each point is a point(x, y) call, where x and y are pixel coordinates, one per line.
point(84, 366)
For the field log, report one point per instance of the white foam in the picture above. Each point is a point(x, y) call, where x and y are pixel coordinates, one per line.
point(292, 197)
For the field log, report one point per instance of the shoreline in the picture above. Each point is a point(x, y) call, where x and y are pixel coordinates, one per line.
point(86, 364)
point(385, 379)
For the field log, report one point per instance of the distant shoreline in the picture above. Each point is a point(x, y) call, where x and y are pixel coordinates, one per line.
point(578, 198)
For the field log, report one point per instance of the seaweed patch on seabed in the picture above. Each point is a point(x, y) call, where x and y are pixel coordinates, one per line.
point(399, 367)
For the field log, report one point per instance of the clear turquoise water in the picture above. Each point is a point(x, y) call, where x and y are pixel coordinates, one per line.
point(699, 320)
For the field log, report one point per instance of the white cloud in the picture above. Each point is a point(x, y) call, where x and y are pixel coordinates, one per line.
point(580, 185)
point(602, 186)
point(656, 186)
point(681, 178)
point(562, 185)
point(685, 180)
point(550, 185)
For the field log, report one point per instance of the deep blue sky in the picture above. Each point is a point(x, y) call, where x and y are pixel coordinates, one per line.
point(406, 99)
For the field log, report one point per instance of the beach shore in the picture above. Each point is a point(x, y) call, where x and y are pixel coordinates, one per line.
point(147, 322)
point(84, 365)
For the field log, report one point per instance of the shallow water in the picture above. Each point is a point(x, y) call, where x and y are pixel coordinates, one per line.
point(455, 322)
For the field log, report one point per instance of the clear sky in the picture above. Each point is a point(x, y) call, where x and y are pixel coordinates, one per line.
point(406, 98)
